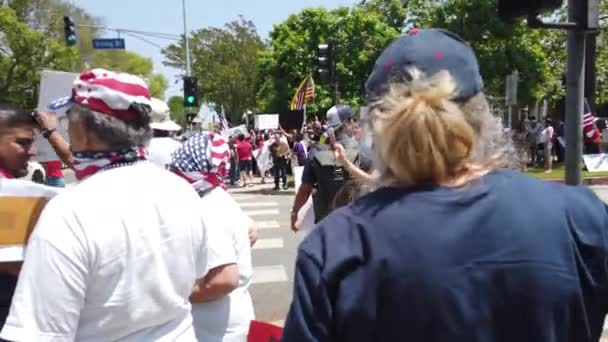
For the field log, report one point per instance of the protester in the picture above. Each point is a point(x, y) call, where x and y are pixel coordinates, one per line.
point(547, 142)
point(221, 304)
point(321, 172)
point(54, 173)
point(245, 152)
point(17, 131)
point(162, 145)
point(115, 257)
point(300, 149)
point(452, 246)
point(280, 152)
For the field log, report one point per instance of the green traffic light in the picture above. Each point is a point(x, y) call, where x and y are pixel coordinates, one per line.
point(71, 40)
point(190, 99)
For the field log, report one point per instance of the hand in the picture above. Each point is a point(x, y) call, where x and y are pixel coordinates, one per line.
point(253, 234)
point(47, 121)
point(340, 153)
point(294, 220)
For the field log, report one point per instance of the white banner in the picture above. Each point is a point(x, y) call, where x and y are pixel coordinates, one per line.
point(306, 215)
point(235, 131)
point(596, 162)
point(263, 157)
point(267, 121)
point(53, 85)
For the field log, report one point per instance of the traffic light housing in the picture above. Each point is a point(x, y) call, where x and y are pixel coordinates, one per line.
point(191, 98)
point(326, 63)
point(514, 9)
point(586, 12)
point(70, 31)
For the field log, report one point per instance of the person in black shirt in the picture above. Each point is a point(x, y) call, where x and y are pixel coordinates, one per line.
point(279, 150)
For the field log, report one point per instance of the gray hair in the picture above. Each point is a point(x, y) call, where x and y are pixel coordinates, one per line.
point(115, 133)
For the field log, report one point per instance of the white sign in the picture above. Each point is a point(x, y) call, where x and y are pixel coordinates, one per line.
point(306, 215)
point(235, 131)
point(596, 162)
point(267, 121)
point(53, 85)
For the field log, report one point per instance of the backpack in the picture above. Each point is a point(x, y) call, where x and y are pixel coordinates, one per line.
point(331, 177)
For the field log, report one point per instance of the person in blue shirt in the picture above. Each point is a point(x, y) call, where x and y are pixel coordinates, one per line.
point(453, 245)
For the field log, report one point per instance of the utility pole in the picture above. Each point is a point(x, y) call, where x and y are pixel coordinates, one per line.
point(575, 89)
point(187, 39)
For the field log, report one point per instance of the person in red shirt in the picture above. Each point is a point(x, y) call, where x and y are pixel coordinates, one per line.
point(17, 130)
point(54, 173)
point(245, 152)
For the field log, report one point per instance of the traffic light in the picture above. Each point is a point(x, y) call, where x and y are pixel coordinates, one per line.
point(70, 31)
point(514, 9)
point(191, 92)
point(325, 59)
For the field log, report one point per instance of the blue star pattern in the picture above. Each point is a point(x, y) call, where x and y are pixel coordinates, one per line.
point(194, 154)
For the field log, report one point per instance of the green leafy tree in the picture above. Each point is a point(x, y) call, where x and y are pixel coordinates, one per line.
point(176, 106)
point(24, 53)
point(224, 60)
point(359, 35)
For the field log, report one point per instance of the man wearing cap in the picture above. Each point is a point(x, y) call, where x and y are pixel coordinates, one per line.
point(322, 175)
point(162, 144)
point(451, 246)
point(117, 256)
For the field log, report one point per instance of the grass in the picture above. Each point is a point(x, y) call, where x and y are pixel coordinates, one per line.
point(559, 172)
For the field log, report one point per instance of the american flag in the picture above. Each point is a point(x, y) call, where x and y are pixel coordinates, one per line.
point(589, 127)
point(223, 121)
point(305, 92)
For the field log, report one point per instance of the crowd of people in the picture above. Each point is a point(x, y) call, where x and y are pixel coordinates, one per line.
point(425, 232)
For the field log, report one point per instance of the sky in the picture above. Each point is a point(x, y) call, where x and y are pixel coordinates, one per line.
point(165, 16)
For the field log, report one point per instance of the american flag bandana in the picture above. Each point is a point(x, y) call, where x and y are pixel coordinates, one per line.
point(203, 160)
point(87, 164)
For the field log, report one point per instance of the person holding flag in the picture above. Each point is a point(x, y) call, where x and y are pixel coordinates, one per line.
point(305, 92)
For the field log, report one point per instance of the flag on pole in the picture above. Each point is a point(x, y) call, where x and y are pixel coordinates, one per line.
point(223, 121)
point(590, 130)
point(305, 92)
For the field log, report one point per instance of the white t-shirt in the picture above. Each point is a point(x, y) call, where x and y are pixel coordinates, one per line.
point(161, 149)
point(226, 319)
point(113, 259)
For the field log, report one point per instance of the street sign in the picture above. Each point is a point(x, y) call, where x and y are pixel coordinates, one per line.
point(108, 43)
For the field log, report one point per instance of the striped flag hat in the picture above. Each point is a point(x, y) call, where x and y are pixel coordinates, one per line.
point(122, 96)
point(203, 160)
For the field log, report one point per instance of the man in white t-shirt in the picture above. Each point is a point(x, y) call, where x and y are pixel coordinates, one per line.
point(116, 257)
point(162, 144)
point(221, 304)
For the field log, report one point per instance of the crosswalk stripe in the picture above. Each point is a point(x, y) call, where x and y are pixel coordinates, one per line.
point(268, 224)
point(251, 213)
point(259, 204)
point(269, 274)
point(268, 244)
point(238, 197)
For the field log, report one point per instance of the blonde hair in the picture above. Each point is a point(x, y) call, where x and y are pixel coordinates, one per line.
point(423, 137)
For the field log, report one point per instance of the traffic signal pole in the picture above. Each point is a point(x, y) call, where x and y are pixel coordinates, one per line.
point(186, 38)
point(575, 90)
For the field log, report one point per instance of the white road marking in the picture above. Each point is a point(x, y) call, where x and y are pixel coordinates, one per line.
point(238, 197)
point(268, 244)
point(252, 213)
point(269, 274)
point(259, 205)
point(268, 224)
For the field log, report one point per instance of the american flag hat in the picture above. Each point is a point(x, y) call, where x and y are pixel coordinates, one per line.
point(111, 93)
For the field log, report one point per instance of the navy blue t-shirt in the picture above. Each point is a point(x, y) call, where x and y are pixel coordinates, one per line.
point(507, 258)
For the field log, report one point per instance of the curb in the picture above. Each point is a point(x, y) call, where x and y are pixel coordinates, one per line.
point(592, 181)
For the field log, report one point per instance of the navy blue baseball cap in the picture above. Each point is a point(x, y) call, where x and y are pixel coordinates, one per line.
point(430, 51)
point(338, 115)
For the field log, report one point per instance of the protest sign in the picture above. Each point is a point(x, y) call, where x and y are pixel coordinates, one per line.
point(21, 203)
point(53, 85)
point(267, 121)
point(306, 216)
point(235, 131)
point(596, 162)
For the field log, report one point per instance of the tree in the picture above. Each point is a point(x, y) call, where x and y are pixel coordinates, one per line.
point(224, 60)
point(393, 12)
point(132, 63)
point(359, 35)
point(176, 106)
point(24, 52)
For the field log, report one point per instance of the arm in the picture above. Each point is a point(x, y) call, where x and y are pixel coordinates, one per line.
point(219, 282)
point(360, 175)
point(304, 192)
point(48, 123)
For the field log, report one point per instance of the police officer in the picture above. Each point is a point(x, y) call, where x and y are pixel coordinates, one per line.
point(323, 175)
